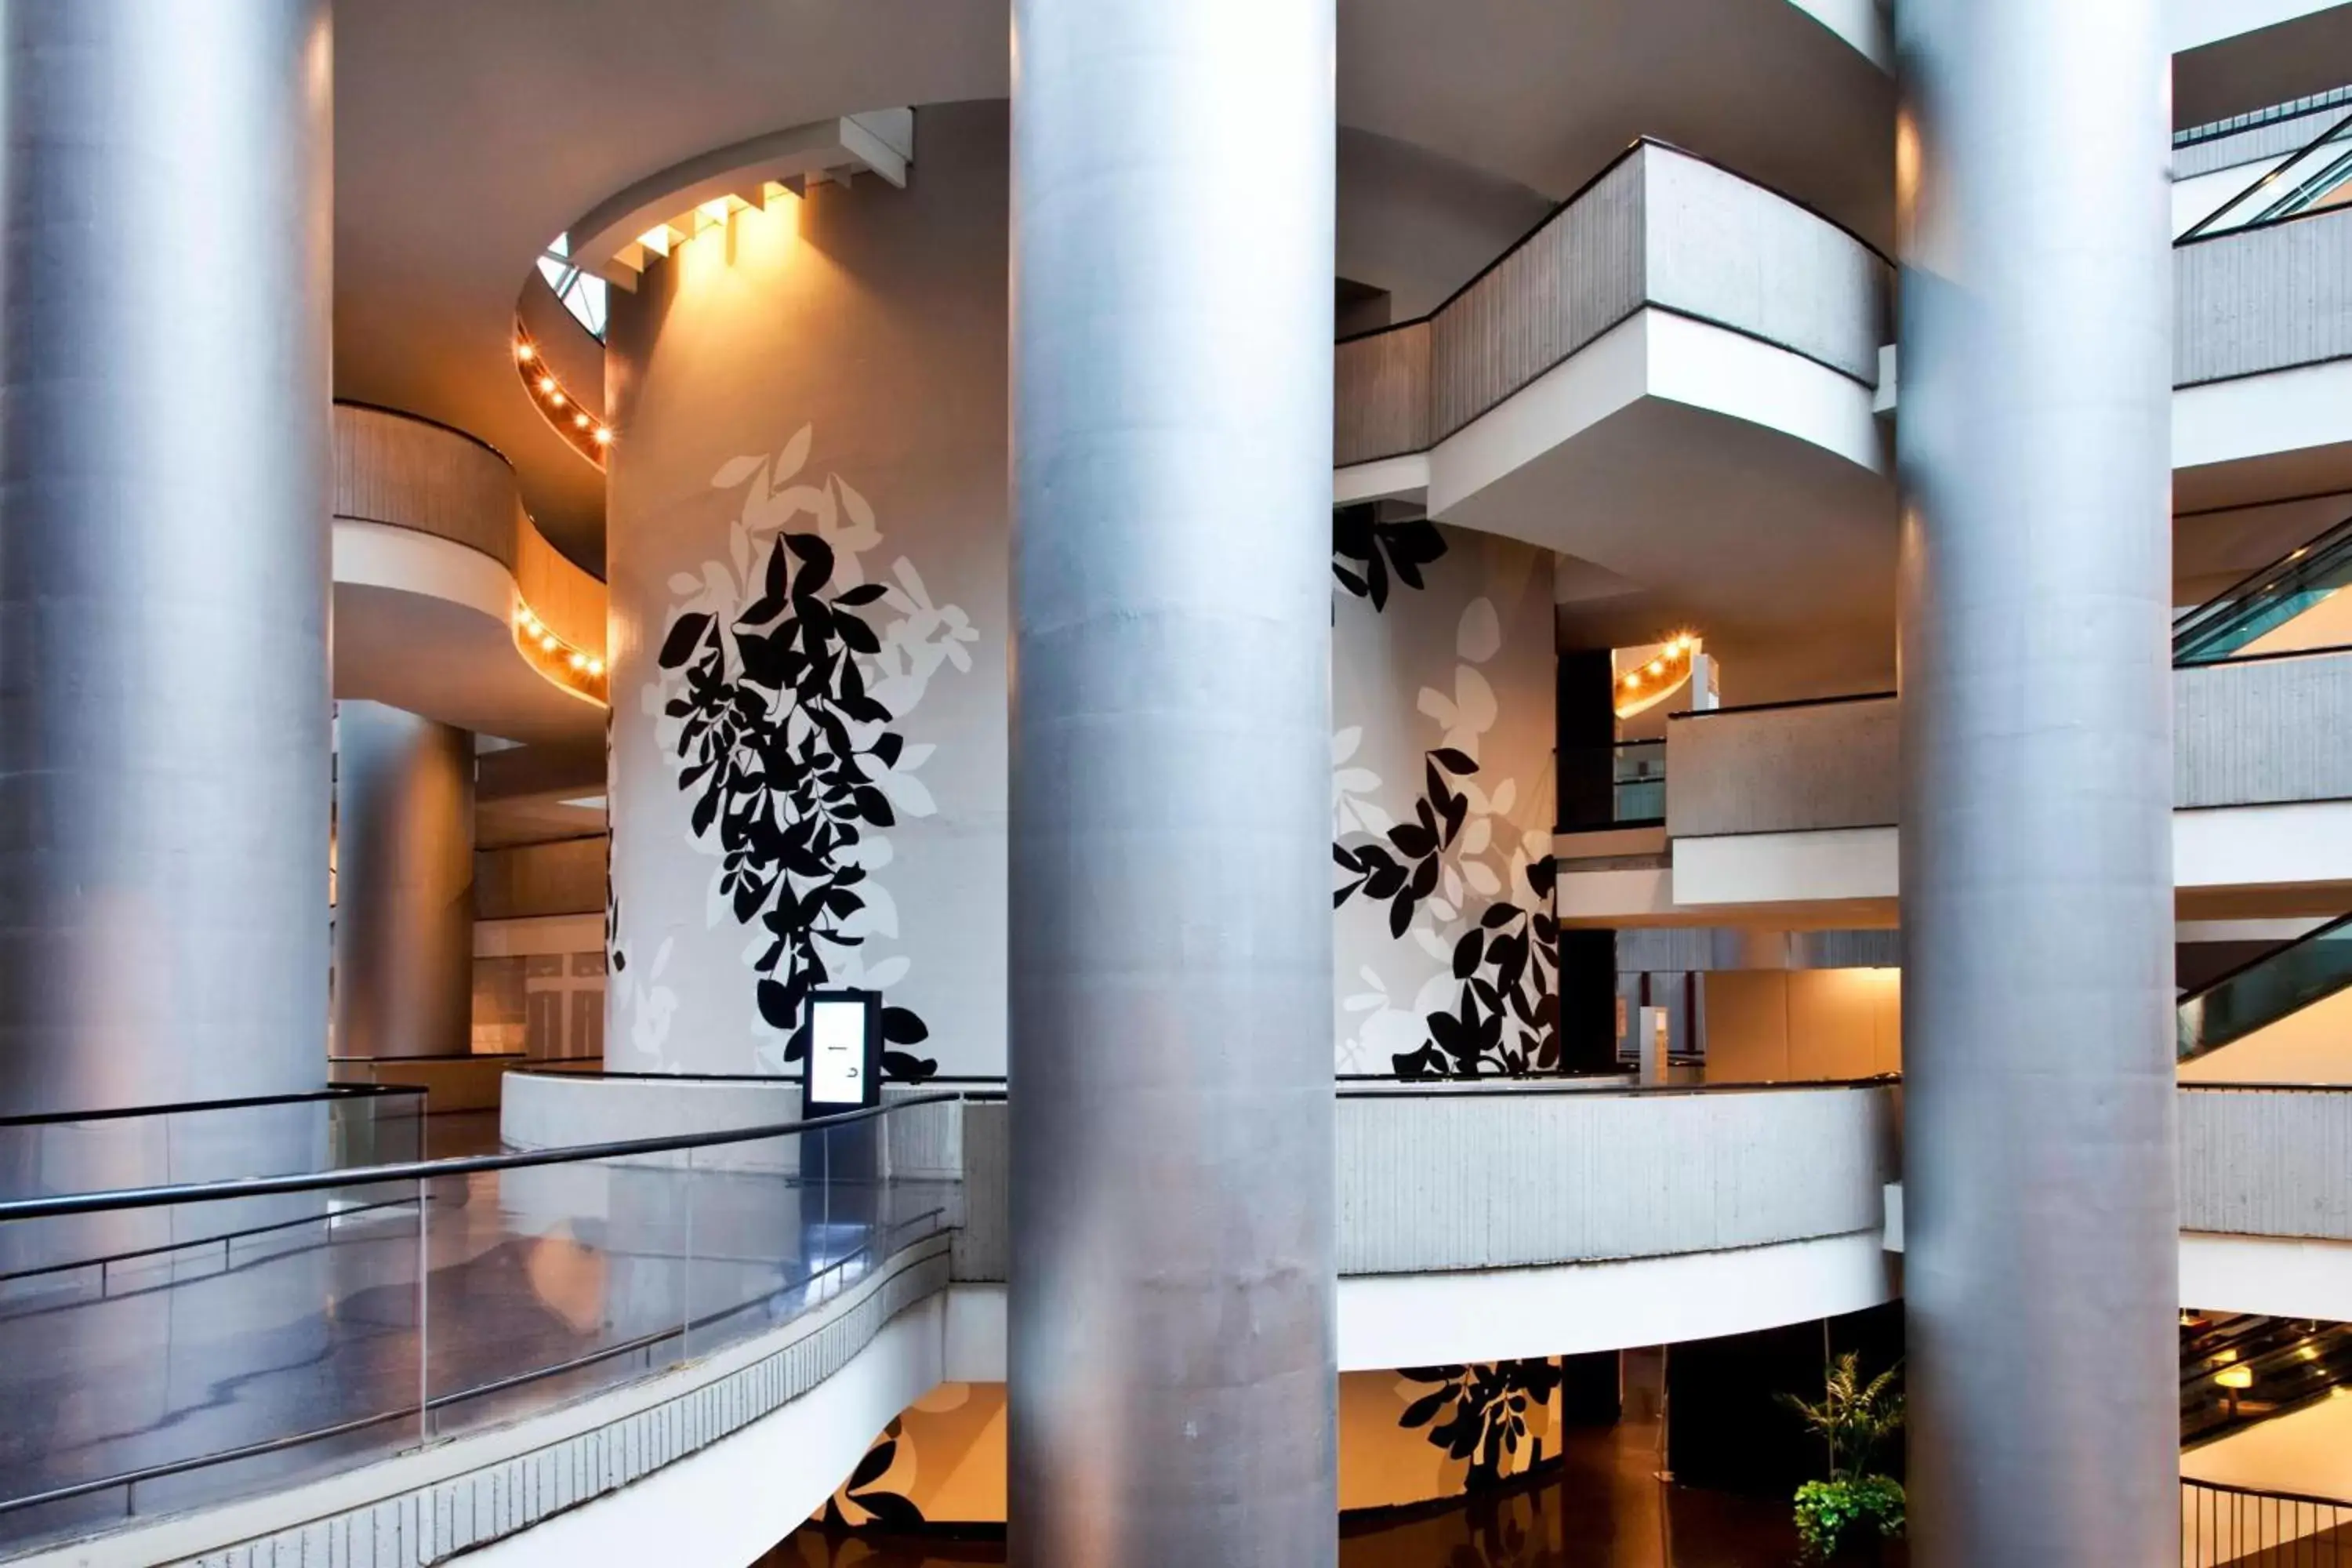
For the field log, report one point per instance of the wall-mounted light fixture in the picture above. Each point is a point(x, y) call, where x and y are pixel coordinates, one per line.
point(1652, 681)
point(589, 435)
point(573, 669)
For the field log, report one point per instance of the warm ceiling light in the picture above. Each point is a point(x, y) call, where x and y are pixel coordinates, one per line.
point(1655, 666)
point(556, 398)
point(2235, 1377)
point(547, 643)
point(1635, 679)
point(596, 667)
point(547, 383)
point(581, 420)
point(525, 352)
point(603, 436)
point(579, 661)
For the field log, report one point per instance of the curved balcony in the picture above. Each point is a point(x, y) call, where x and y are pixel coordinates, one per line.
point(1678, 354)
point(503, 1338)
point(449, 602)
point(1794, 805)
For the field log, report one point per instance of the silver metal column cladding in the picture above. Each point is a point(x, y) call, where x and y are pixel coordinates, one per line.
point(403, 884)
point(1172, 1381)
point(2040, 1279)
point(165, 240)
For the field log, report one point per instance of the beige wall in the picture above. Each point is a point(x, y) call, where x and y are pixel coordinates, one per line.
point(1770, 1026)
point(948, 1451)
point(2314, 1045)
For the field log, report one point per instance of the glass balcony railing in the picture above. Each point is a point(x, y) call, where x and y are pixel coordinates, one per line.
point(1619, 785)
point(2227, 624)
point(2285, 980)
point(316, 1322)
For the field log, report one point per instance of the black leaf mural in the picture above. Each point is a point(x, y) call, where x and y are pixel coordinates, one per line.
point(1367, 554)
point(1480, 1413)
point(780, 742)
point(884, 1508)
point(1506, 1019)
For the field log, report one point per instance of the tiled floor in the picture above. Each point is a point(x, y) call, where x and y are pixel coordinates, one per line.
point(1603, 1508)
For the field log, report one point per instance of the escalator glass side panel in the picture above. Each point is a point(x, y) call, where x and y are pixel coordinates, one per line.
point(2225, 625)
point(2285, 980)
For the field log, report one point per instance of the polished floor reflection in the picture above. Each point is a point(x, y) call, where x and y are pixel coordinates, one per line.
point(297, 1340)
point(1604, 1506)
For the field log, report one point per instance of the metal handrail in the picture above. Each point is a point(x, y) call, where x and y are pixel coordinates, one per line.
point(431, 1170)
point(300, 1097)
point(437, 1402)
point(2197, 232)
point(2267, 1492)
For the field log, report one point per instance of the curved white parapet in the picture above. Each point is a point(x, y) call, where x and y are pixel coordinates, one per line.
point(1672, 380)
point(1794, 805)
point(436, 571)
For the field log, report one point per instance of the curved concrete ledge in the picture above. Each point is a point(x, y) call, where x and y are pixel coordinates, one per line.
point(1794, 805)
point(1672, 380)
point(434, 561)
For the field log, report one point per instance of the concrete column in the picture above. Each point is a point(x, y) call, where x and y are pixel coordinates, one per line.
point(403, 884)
point(1172, 1343)
point(165, 237)
point(2040, 1279)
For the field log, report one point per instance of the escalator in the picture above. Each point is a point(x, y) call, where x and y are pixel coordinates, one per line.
point(2286, 979)
point(2226, 626)
point(2313, 967)
point(2237, 1369)
point(2314, 178)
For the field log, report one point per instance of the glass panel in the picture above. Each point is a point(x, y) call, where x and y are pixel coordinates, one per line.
point(2315, 176)
point(1633, 773)
point(151, 1359)
point(168, 1356)
point(2231, 622)
point(1640, 781)
point(2280, 981)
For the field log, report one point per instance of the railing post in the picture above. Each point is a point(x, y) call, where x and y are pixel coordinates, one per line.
point(424, 1318)
point(685, 1283)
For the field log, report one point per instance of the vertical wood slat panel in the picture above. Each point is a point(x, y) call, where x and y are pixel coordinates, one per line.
point(1381, 395)
point(1576, 277)
point(1503, 1180)
point(2263, 300)
point(1784, 770)
point(1659, 228)
point(409, 473)
point(2262, 730)
point(2266, 1162)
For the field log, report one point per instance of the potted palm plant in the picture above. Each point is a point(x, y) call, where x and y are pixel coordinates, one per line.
point(1850, 1517)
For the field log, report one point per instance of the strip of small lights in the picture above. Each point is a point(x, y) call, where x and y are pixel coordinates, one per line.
point(560, 661)
point(589, 435)
point(1643, 687)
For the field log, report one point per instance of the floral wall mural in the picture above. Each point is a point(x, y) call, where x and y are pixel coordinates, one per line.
point(1406, 1436)
point(807, 551)
point(779, 694)
point(1446, 951)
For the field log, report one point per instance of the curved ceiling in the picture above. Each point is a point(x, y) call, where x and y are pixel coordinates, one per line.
point(467, 134)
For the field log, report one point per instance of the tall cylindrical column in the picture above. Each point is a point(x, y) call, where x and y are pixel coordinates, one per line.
point(1172, 1346)
point(165, 236)
point(403, 884)
point(2037, 884)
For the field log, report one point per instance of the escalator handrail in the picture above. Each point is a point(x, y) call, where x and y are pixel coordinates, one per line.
point(2318, 545)
point(2226, 975)
point(2199, 230)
